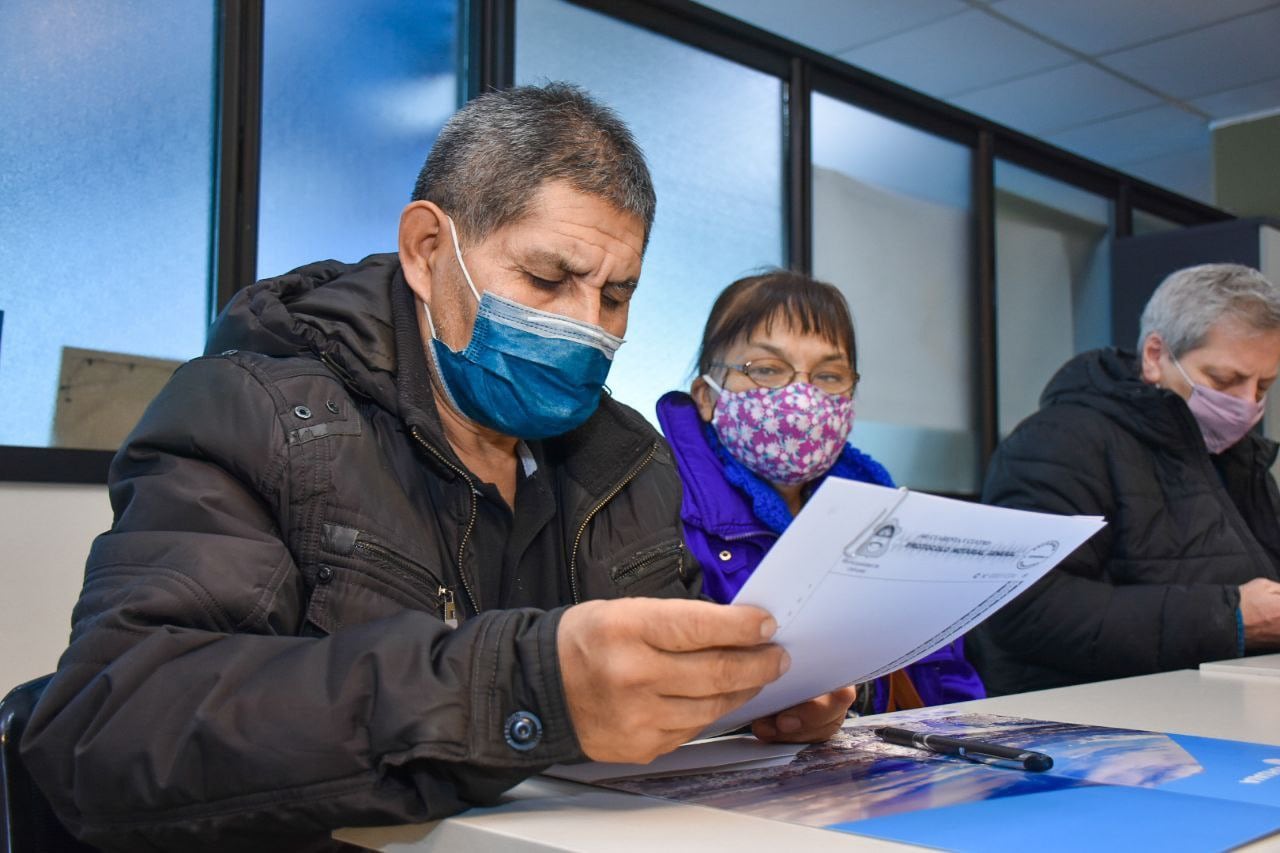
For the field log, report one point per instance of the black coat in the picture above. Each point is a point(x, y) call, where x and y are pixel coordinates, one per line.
point(1156, 589)
point(258, 654)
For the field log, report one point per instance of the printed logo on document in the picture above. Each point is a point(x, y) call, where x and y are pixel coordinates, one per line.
point(1037, 555)
point(879, 541)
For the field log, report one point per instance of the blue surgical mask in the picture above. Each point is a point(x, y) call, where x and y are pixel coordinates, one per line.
point(526, 373)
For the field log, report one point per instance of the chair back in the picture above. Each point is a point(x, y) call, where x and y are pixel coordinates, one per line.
point(27, 823)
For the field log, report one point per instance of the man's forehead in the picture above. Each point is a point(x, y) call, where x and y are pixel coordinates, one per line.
point(542, 253)
point(574, 257)
point(1230, 332)
point(1232, 345)
point(577, 247)
point(556, 203)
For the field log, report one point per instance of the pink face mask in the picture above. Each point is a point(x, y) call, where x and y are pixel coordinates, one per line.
point(1223, 418)
point(786, 435)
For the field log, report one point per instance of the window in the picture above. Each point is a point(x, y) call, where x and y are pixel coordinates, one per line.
point(892, 230)
point(1053, 283)
point(712, 132)
point(353, 97)
point(109, 148)
point(106, 171)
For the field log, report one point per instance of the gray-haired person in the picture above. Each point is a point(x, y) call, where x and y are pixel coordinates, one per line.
point(338, 587)
point(1162, 445)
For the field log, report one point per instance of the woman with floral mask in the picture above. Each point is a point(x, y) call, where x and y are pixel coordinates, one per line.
point(766, 420)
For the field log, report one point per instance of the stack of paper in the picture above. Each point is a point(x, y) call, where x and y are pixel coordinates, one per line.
point(868, 579)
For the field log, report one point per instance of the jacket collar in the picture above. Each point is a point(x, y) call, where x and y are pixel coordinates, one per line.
point(329, 310)
point(1107, 381)
point(1251, 454)
point(602, 452)
point(710, 501)
point(415, 402)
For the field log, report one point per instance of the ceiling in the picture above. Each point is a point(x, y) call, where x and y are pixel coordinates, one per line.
point(1135, 84)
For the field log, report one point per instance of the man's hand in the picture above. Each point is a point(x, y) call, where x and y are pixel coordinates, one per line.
point(644, 675)
point(812, 722)
point(1260, 609)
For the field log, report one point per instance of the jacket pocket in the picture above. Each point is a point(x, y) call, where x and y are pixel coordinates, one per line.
point(658, 571)
point(368, 580)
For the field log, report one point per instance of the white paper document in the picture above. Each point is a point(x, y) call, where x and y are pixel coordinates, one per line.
point(868, 579)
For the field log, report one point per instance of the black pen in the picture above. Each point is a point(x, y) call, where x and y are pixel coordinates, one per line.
point(1034, 761)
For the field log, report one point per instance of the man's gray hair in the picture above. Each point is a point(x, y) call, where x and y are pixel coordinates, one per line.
point(1191, 300)
point(495, 153)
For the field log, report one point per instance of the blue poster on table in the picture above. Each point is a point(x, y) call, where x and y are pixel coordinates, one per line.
point(1109, 789)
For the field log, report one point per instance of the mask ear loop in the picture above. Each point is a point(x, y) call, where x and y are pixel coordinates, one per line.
point(1183, 372)
point(426, 312)
point(457, 253)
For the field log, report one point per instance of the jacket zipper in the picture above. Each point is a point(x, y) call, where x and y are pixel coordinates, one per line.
point(410, 572)
point(577, 540)
point(471, 523)
point(637, 566)
point(343, 376)
point(444, 592)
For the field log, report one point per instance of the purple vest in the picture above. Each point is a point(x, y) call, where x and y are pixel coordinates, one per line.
point(723, 533)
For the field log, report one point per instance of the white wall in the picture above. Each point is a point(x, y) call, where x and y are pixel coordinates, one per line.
point(46, 531)
point(902, 262)
point(1052, 273)
point(1269, 265)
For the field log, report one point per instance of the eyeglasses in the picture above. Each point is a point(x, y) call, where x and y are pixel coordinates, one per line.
point(776, 373)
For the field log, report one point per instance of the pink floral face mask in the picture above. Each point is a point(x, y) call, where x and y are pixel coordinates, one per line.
point(786, 435)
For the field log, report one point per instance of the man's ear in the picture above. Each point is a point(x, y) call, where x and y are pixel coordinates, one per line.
point(705, 398)
point(423, 236)
point(1153, 350)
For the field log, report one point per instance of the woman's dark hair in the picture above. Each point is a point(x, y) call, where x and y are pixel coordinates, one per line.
point(806, 305)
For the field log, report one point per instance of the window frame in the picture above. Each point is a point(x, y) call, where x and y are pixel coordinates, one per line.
point(805, 71)
point(486, 37)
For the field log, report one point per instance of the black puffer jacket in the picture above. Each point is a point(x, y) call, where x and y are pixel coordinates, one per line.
point(258, 654)
point(1158, 588)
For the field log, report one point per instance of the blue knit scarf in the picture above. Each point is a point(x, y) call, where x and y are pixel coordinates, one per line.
point(767, 504)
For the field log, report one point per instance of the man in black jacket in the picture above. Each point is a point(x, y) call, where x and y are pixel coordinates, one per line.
point(1160, 445)
point(335, 589)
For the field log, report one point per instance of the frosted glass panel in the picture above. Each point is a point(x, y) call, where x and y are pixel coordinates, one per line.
point(353, 97)
point(106, 155)
point(1053, 283)
point(712, 132)
point(891, 220)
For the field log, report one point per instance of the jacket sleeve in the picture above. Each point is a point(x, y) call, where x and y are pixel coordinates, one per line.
point(189, 713)
point(946, 676)
point(1076, 619)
